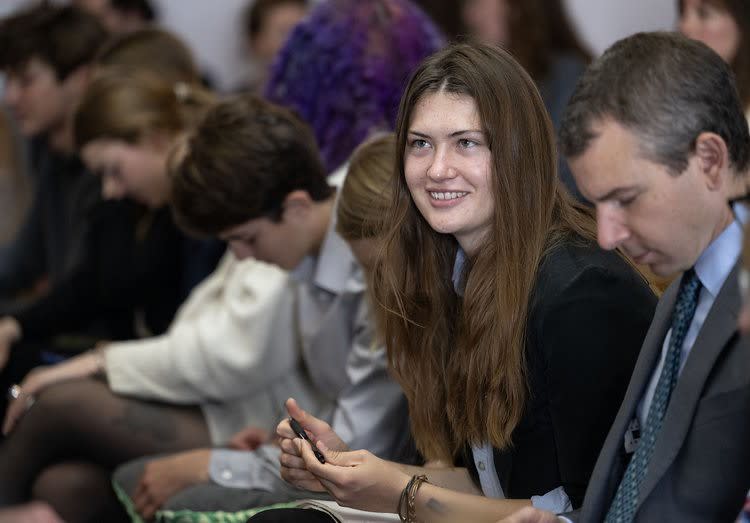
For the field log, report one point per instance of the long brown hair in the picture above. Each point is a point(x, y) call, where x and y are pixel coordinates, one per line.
point(739, 10)
point(460, 361)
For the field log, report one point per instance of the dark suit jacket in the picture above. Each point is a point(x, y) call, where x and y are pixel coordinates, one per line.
point(587, 319)
point(700, 469)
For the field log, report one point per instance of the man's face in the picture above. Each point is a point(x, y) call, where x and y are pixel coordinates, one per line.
point(35, 98)
point(281, 243)
point(659, 219)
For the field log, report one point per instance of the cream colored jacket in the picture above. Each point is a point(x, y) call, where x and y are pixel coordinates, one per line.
point(230, 350)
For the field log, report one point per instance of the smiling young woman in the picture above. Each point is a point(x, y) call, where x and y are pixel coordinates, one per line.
point(512, 334)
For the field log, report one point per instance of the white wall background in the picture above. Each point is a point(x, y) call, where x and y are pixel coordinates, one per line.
point(212, 27)
point(602, 22)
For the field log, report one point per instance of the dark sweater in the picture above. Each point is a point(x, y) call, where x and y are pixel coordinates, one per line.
point(51, 239)
point(136, 266)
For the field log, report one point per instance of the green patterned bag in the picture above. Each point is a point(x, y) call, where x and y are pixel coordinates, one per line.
point(189, 516)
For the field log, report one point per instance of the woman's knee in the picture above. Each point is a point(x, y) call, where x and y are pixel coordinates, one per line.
point(70, 480)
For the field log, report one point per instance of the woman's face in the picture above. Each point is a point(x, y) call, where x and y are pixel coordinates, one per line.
point(447, 163)
point(487, 20)
point(711, 24)
point(137, 170)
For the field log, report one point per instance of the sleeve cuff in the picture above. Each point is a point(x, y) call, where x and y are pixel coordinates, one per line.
point(556, 501)
point(241, 469)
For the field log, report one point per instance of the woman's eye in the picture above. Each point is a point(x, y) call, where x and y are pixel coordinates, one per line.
point(466, 143)
point(419, 143)
point(624, 202)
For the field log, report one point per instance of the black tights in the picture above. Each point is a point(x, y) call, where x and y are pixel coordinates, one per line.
point(75, 435)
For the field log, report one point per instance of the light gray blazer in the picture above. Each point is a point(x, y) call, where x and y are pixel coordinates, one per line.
point(700, 469)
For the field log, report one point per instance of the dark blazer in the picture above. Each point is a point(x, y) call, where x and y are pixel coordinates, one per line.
point(700, 469)
point(588, 316)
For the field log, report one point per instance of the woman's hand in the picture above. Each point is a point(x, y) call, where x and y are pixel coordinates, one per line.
point(357, 479)
point(293, 468)
point(40, 378)
point(163, 478)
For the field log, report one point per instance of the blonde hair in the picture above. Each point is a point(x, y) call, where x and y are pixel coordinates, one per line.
point(123, 104)
point(367, 190)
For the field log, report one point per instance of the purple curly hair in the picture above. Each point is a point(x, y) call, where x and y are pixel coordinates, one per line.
point(344, 68)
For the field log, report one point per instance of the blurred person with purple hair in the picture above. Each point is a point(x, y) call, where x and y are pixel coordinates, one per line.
point(344, 68)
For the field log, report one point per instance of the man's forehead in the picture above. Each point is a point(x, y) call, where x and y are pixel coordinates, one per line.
point(243, 229)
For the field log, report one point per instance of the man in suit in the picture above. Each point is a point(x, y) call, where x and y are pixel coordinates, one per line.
point(658, 142)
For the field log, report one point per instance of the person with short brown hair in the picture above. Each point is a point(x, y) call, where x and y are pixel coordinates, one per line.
point(658, 142)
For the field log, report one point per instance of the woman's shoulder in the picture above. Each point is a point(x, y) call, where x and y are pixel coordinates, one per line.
point(576, 262)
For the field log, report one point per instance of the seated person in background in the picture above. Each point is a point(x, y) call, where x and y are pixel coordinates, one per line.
point(724, 26)
point(540, 35)
point(266, 25)
point(511, 333)
point(368, 50)
point(120, 16)
point(234, 350)
point(46, 54)
point(657, 139)
point(137, 270)
point(296, 228)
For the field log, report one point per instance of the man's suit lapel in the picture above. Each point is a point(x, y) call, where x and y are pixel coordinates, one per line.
point(718, 328)
point(606, 476)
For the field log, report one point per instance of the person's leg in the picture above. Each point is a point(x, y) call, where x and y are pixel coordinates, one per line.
point(80, 492)
point(84, 420)
point(210, 496)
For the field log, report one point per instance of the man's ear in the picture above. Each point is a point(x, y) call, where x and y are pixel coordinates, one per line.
point(713, 158)
point(297, 206)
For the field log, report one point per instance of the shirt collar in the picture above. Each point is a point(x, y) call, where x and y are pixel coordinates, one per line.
point(334, 269)
point(716, 262)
